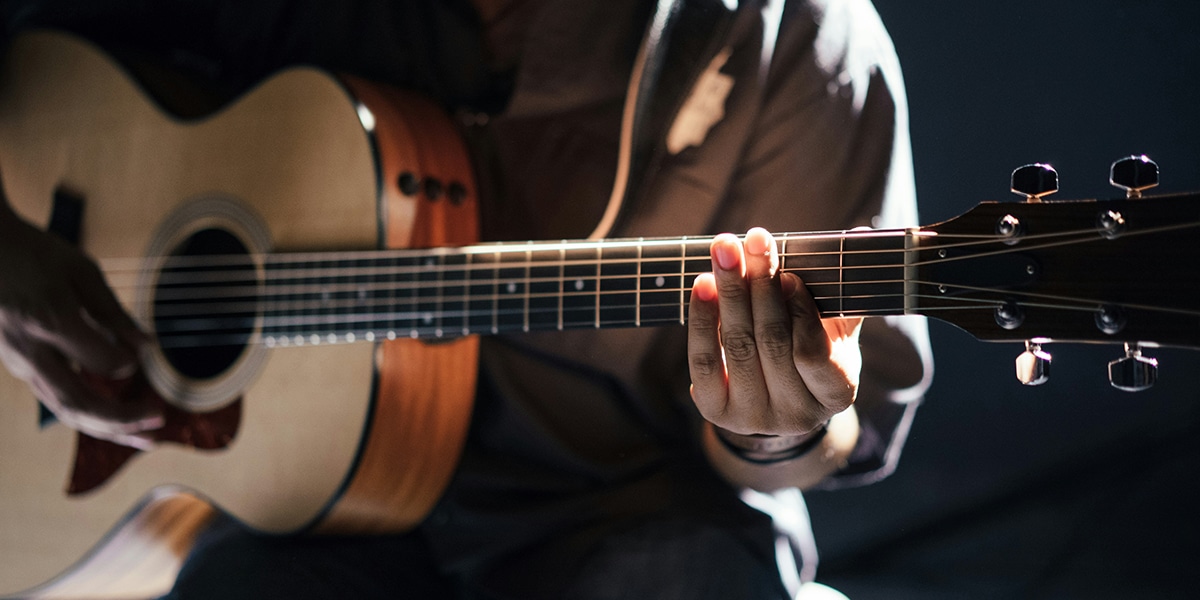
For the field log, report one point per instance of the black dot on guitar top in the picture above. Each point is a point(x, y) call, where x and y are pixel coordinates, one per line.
point(456, 192)
point(409, 184)
point(433, 189)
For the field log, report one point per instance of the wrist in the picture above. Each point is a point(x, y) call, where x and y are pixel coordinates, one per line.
point(804, 471)
point(765, 449)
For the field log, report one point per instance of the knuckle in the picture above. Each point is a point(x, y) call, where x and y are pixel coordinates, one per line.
point(775, 340)
point(739, 345)
point(732, 288)
point(702, 321)
point(706, 364)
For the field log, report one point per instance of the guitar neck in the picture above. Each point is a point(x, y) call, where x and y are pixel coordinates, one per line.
point(319, 298)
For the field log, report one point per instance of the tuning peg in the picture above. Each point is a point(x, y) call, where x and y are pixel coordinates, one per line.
point(1035, 181)
point(1134, 372)
point(1134, 174)
point(1033, 365)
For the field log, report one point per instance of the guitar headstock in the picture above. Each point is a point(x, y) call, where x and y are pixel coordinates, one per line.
point(1121, 271)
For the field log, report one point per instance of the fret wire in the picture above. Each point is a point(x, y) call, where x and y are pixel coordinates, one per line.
point(528, 284)
point(562, 284)
point(597, 322)
point(466, 324)
point(841, 273)
point(637, 293)
point(439, 300)
point(682, 281)
point(496, 297)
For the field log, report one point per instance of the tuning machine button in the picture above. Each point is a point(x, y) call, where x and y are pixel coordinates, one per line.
point(1134, 174)
point(1035, 181)
point(1134, 372)
point(1033, 365)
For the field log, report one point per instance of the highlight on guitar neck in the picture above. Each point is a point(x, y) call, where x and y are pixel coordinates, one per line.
point(1120, 272)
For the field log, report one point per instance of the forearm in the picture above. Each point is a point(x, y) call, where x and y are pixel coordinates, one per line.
point(804, 471)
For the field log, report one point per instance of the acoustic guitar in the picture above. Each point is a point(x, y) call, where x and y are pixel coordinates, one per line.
point(307, 260)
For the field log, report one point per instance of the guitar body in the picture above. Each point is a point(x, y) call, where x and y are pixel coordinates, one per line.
point(348, 438)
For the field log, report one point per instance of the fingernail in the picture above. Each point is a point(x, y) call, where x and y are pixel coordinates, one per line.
point(727, 255)
point(703, 288)
point(758, 241)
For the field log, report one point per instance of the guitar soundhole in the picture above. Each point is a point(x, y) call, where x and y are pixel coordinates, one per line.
point(206, 303)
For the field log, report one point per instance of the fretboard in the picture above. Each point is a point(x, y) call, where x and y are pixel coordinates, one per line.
point(318, 298)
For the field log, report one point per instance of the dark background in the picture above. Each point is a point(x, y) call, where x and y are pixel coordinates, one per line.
point(1071, 489)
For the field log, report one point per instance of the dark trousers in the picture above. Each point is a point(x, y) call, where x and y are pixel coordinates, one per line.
point(655, 559)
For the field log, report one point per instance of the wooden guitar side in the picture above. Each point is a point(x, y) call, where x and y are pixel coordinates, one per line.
point(346, 438)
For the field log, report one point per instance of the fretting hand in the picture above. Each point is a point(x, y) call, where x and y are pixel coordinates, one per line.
point(762, 361)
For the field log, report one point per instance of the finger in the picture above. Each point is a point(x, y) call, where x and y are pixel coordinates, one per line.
point(705, 365)
point(813, 352)
point(82, 342)
point(65, 392)
point(844, 348)
point(789, 397)
point(103, 308)
point(747, 389)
